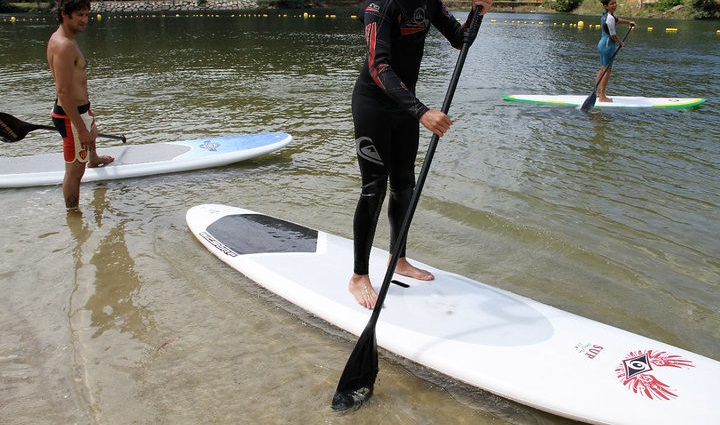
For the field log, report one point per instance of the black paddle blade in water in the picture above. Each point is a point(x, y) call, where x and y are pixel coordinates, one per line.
point(358, 379)
point(589, 103)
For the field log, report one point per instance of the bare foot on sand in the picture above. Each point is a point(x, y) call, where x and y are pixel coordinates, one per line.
point(406, 269)
point(100, 160)
point(363, 291)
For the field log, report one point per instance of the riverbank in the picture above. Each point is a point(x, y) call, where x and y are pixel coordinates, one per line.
point(589, 7)
point(165, 6)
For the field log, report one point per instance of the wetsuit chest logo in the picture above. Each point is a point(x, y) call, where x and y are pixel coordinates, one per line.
point(372, 7)
point(417, 23)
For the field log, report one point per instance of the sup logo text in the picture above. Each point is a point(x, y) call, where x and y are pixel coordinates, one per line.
point(589, 350)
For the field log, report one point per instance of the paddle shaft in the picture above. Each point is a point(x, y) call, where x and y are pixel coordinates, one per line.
point(105, 136)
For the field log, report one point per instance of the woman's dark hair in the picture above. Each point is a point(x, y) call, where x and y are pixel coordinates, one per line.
point(605, 2)
point(68, 7)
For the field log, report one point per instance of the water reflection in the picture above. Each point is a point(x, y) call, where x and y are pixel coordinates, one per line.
point(112, 290)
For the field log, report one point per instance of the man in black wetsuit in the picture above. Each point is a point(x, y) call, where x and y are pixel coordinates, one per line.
point(387, 118)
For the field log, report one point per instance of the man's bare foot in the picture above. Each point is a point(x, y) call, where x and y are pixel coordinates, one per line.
point(604, 99)
point(361, 287)
point(406, 269)
point(100, 161)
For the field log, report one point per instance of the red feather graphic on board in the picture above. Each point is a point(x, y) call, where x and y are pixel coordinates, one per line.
point(635, 373)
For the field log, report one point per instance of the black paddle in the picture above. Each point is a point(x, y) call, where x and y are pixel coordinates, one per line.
point(590, 101)
point(358, 379)
point(13, 129)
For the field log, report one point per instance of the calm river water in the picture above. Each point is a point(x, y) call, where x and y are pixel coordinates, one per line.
point(122, 317)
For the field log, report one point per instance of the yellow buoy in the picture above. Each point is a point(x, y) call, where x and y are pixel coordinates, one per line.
point(580, 24)
point(670, 29)
point(13, 19)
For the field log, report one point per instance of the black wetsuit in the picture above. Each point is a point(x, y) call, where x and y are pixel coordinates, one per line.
point(386, 112)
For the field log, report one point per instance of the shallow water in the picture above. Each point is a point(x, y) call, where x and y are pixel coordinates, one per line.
point(122, 317)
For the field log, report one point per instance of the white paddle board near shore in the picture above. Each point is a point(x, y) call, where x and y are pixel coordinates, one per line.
point(143, 160)
point(504, 343)
point(617, 101)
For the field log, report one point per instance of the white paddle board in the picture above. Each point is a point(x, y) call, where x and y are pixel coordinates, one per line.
point(617, 101)
point(487, 337)
point(143, 160)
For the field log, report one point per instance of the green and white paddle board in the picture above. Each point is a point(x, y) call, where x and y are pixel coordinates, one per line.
point(617, 101)
point(493, 339)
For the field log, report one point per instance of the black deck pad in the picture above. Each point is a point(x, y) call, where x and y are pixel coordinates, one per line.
point(257, 233)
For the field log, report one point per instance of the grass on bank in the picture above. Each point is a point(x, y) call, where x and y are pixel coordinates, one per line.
point(27, 7)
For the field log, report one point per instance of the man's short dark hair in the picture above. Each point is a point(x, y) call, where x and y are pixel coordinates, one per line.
point(68, 7)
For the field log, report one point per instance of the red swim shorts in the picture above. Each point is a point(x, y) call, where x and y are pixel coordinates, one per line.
point(72, 150)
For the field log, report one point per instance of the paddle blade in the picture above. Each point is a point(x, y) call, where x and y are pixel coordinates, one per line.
point(589, 103)
point(358, 379)
point(12, 129)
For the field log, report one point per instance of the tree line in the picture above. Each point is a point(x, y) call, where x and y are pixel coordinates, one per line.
point(700, 9)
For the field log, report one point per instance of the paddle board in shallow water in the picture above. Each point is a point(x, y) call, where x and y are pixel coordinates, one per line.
point(617, 101)
point(143, 160)
point(492, 339)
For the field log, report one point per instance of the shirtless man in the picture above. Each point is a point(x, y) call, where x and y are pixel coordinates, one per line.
point(71, 113)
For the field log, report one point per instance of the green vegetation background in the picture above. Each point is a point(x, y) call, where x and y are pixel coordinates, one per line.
point(677, 9)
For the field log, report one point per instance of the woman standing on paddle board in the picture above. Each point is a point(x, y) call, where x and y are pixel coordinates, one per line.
point(387, 118)
point(607, 46)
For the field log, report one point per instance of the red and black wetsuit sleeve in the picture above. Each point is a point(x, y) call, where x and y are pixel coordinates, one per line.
point(395, 32)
